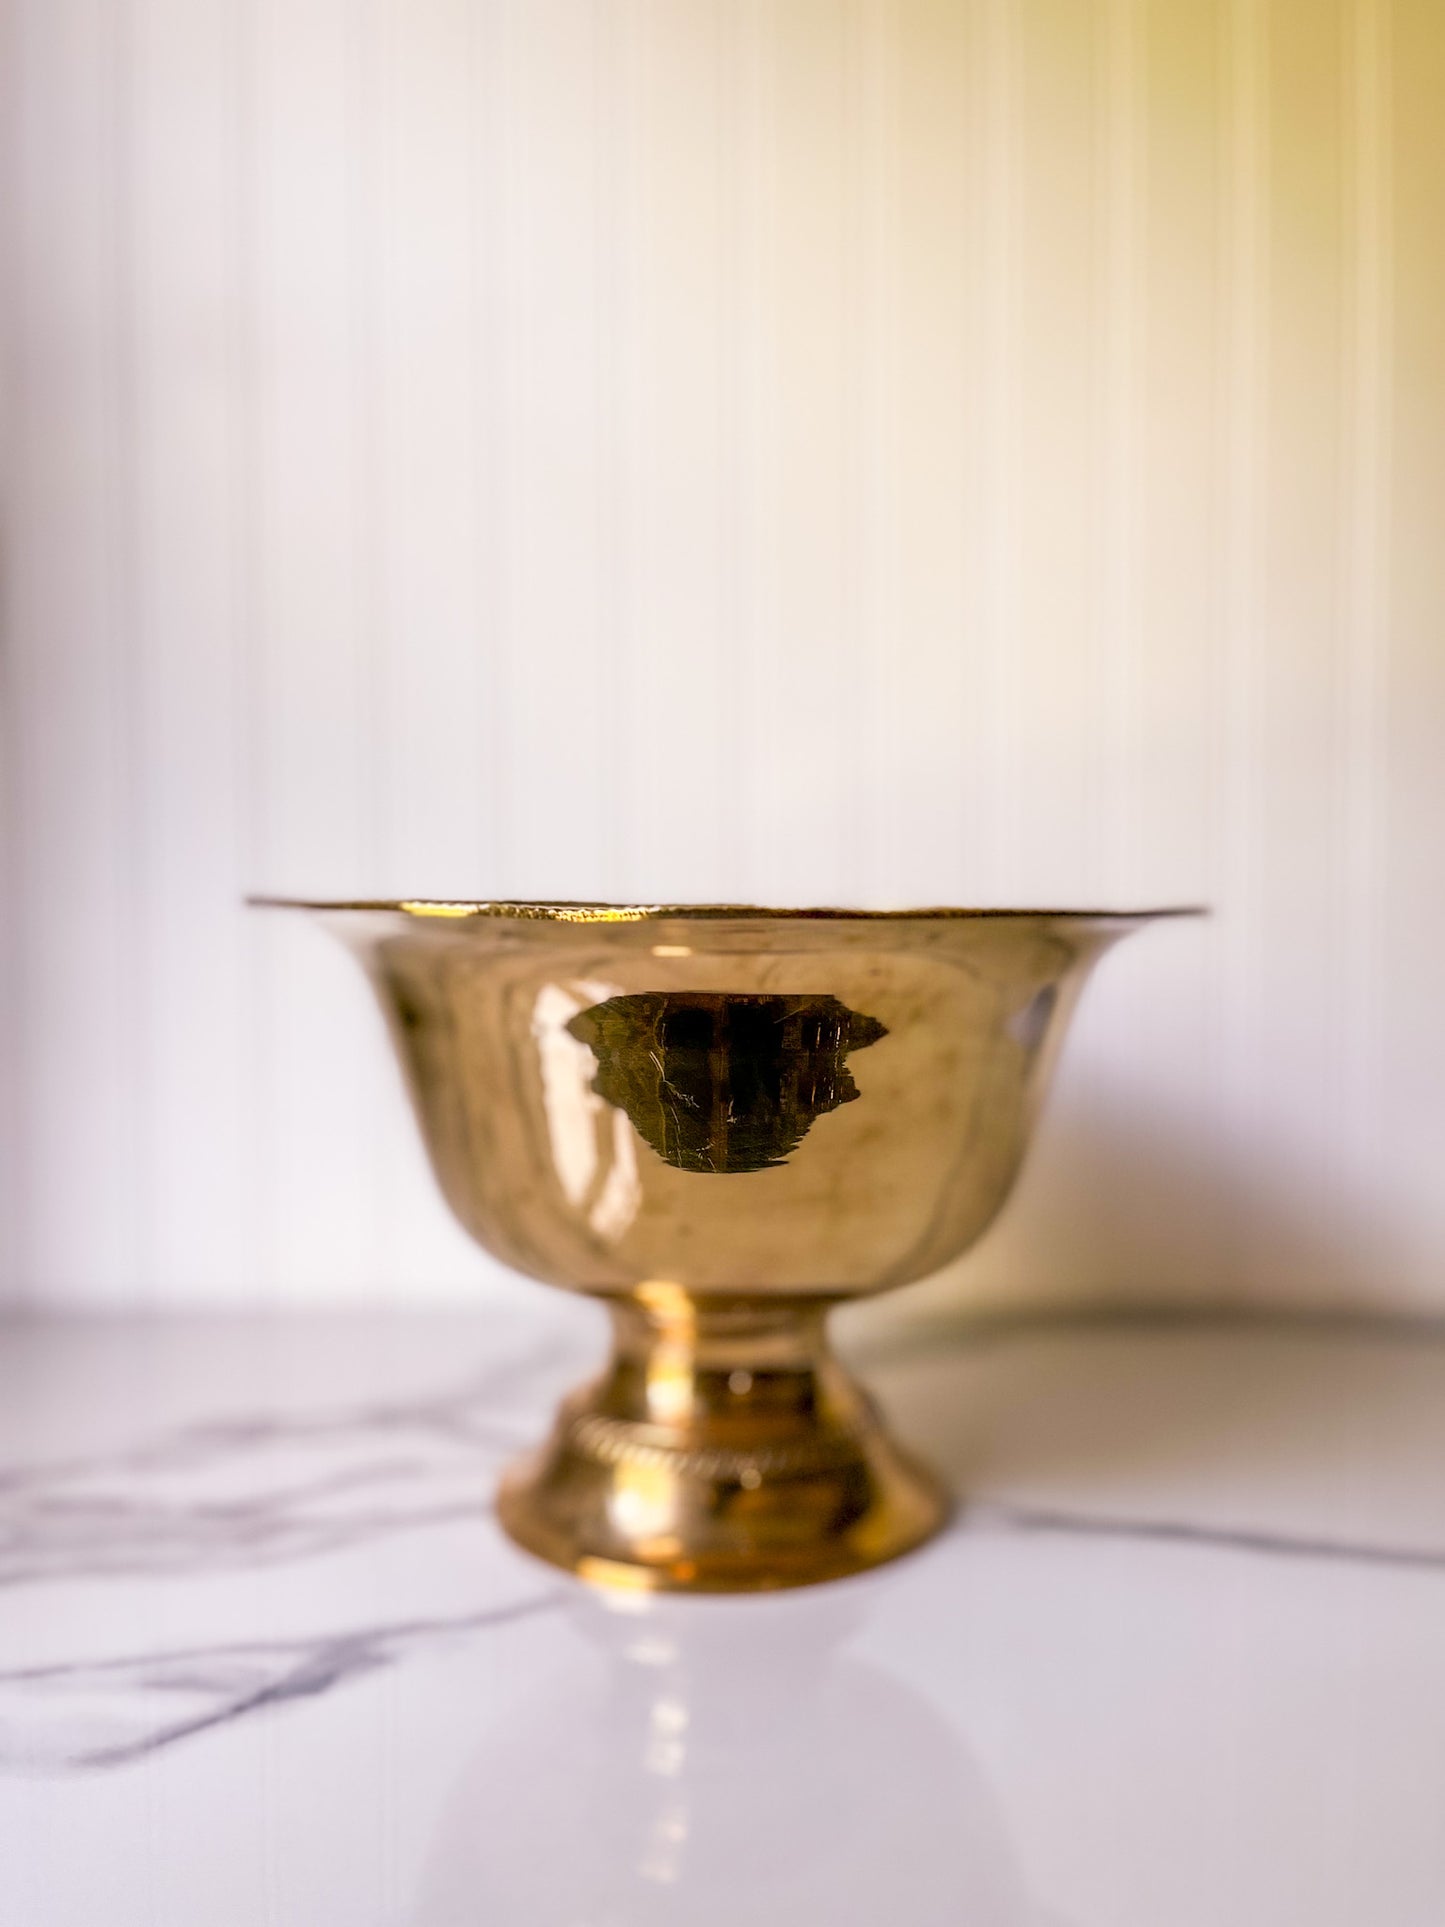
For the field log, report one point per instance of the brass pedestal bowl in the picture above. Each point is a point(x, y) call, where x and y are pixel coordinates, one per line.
point(722, 1121)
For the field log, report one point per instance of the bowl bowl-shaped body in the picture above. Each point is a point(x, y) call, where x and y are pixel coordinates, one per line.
point(723, 1119)
point(805, 1103)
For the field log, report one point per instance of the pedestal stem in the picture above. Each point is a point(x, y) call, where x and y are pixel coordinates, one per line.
point(724, 1448)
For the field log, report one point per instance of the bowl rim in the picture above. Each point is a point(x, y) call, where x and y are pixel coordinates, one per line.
point(461, 909)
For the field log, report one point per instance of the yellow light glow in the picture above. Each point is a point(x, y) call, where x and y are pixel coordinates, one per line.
point(666, 1300)
point(642, 1502)
point(624, 1581)
point(671, 1387)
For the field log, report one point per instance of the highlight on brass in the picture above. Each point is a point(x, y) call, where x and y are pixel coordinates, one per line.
point(586, 1075)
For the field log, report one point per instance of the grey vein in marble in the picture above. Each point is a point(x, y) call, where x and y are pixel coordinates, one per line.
point(59, 1719)
point(111, 1712)
point(1017, 1518)
point(251, 1492)
point(265, 1492)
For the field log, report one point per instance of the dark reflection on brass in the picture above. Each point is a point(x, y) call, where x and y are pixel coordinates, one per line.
point(718, 1083)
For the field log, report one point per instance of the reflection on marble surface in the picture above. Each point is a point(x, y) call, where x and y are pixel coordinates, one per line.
point(703, 1762)
point(265, 1656)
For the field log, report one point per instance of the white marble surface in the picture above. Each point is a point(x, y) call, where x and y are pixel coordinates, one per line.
point(265, 1660)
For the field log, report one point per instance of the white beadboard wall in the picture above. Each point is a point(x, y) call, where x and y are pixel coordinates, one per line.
point(801, 450)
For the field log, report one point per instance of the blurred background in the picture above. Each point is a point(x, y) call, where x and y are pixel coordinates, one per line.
point(856, 451)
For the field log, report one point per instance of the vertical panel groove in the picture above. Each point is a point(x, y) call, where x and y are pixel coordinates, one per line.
point(1366, 381)
point(16, 1238)
point(998, 836)
point(250, 773)
point(863, 820)
point(756, 413)
point(610, 242)
point(1245, 281)
point(125, 216)
point(1124, 322)
point(485, 363)
point(732, 25)
point(368, 129)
